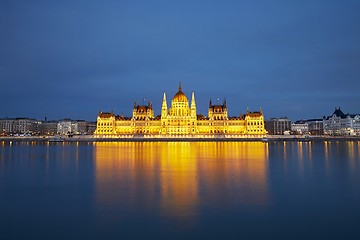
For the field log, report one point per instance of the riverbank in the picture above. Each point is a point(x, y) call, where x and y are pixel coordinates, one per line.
point(91, 138)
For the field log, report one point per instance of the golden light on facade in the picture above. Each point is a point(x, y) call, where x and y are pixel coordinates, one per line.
point(180, 120)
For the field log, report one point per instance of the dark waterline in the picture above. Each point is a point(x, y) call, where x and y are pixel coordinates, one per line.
point(177, 190)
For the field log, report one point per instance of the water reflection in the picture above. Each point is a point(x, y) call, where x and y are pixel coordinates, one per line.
point(138, 190)
point(303, 158)
point(175, 178)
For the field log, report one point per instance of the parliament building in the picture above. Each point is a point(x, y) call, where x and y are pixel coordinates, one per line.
point(180, 120)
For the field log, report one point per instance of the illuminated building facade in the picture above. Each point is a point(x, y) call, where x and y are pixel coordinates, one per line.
point(180, 120)
point(343, 124)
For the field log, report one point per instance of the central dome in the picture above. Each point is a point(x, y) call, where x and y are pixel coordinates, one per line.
point(180, 96)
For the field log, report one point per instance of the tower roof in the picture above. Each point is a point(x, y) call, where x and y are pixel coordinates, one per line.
point(180, 96)
point(339, 113)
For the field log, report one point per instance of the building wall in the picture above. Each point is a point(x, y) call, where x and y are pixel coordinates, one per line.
point(316, 127)
point(342, 124)
point(237, 126)
point(105, 124)
point(255, 123)
point(6, 125)
point(356, 125)
point(48, 128)
point(180, 119)
point(300, 127)
point(64, 127)
point(19, 126)
point(277, 126)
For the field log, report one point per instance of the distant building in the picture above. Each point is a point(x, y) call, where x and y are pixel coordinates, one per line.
point(278, 126)
point(25, 125)
point(300, 127)
point(180, 119)
point(10, 126)
point(82, 127)
point(91, 127)
point(310, 126)
point(48, 128)
point(316, 126)
point(19, 126)
point(6, 126)
point(343, 124)
point(67, 126)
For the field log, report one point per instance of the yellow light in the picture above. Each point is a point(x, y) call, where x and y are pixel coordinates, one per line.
point(181, 121)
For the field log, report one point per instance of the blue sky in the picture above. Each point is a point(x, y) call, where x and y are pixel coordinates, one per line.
point(60, 59)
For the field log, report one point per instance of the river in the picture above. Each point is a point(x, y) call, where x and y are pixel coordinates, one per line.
point(180, 190)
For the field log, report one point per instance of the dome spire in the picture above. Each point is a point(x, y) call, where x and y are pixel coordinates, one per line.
point(180, 96)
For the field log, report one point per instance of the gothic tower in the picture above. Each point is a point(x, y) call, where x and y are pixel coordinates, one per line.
point(164, 110)
point(193, 106)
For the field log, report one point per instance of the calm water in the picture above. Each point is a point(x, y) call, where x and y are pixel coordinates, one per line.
point(224, 190)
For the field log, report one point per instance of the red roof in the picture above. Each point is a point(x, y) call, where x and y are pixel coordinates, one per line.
point(106, 115)
point(254, 114)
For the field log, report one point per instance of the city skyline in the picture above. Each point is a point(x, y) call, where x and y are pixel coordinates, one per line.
point(73, 59)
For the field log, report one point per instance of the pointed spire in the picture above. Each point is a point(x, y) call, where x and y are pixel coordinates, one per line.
point(261, 110)
point(164, 104)
point(180, 86)
point(164, 107)
point(193, 105)
point(193, 100)
point(210, 103)
point(224, 102)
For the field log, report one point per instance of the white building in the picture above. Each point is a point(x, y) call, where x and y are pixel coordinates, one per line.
point(7, 125)
point(18, 126)
point(300, 127)
point(340, 123)
point(67, 127)
point(310, 126)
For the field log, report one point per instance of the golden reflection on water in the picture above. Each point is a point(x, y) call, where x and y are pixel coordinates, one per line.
point(300, 156)
point(351, 148)
point(181, 173)
point(347, 150)
point(2, 154)
point(326, 147)
point(310, 150)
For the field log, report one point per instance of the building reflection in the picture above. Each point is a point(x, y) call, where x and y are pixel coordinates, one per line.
point(347, 151)
point(235, 169)
point(177, 177)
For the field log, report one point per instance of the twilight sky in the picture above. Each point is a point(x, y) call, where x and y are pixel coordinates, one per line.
point(70, 59)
